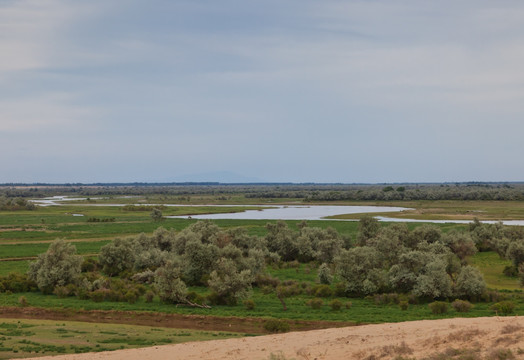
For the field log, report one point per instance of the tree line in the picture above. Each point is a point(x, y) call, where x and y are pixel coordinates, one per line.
point(422, 263)
point(307, 192)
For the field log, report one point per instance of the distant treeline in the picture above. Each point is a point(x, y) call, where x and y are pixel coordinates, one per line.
point(306, 192)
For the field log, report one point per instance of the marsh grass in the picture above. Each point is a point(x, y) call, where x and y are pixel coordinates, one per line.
point(28, 338)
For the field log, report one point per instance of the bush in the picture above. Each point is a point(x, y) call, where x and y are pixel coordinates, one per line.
point(349, 304)
point(340, 289)
point(461, 305)
point(16, 282)
point(22, 301)
point(510, 271)
point(99, 295)
point(493, 296)
point(403, 305)
point(62, 291)
point(249, 304)
point(503, 307)
point(336, 304)
point(276, 326)
point(324, 274)
point(322, 291)
point(131, 296)
point(266, 280)
point(412, 299)
point(315, 303)
point(149, 295)
point(89, 265)
point(438, 307)
point(385, 299)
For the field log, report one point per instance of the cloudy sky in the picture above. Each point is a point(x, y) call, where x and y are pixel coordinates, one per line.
point(277, 91)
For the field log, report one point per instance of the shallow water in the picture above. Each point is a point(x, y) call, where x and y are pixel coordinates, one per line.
point(285, 212)
point(313, 212)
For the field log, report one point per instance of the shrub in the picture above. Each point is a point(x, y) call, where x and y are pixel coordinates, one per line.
point(22, 301)
point(249, 304)
point(349, 304)
point(276, 326)
point(340, 289)
point(503, 307)
point(315, 303)
point(266, 280)
point(322, 291)
point(89, 265)
point(493, 296)
point(62, 291)
point(16, 282)
point(98, 295)
point(438, 307)
point(131, 296)
point(336, 304)
point(324, 274)
point(403, 305)
point(149, 295)
point(384, 299)
point(412, 299)
point(461, 305)
point(510, 271)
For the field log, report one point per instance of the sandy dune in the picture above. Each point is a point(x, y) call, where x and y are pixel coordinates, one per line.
point(483, 338)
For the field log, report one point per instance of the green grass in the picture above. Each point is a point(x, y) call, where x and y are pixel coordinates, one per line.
point(268, 306)
point(7, 267)
point(31, 250)
point(449, 210)
point(491, 266)
point(31, 338)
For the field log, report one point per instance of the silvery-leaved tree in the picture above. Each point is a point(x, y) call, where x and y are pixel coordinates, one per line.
point(58, 266)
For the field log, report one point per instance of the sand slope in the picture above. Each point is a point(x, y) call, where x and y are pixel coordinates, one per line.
point(482, 338)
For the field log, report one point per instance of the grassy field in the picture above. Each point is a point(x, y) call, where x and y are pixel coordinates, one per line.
point(32, 338)
point(449, 210)
point(491, 266)
point(25, 234)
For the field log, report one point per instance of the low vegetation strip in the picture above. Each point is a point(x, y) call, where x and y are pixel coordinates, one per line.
point(179, 321)
point(31, 338)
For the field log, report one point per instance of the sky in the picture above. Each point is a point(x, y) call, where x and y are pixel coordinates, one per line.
point(277, 91)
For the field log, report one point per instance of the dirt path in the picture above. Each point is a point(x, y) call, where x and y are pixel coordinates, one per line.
point(460, 338)
point(196, 322)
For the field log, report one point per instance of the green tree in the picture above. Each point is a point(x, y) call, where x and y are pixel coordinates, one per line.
point(361, 270)
point(156, 214)
point(58, 266)
point(228, 283)
point(282, 240)
point(368, 227)
point(461, 244)
point(169, 284)
point(117, 256)
point(434, 282)
point(515, 253)
point(470, 282)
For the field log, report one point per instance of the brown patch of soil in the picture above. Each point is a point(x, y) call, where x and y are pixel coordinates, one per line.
point(195, 322)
